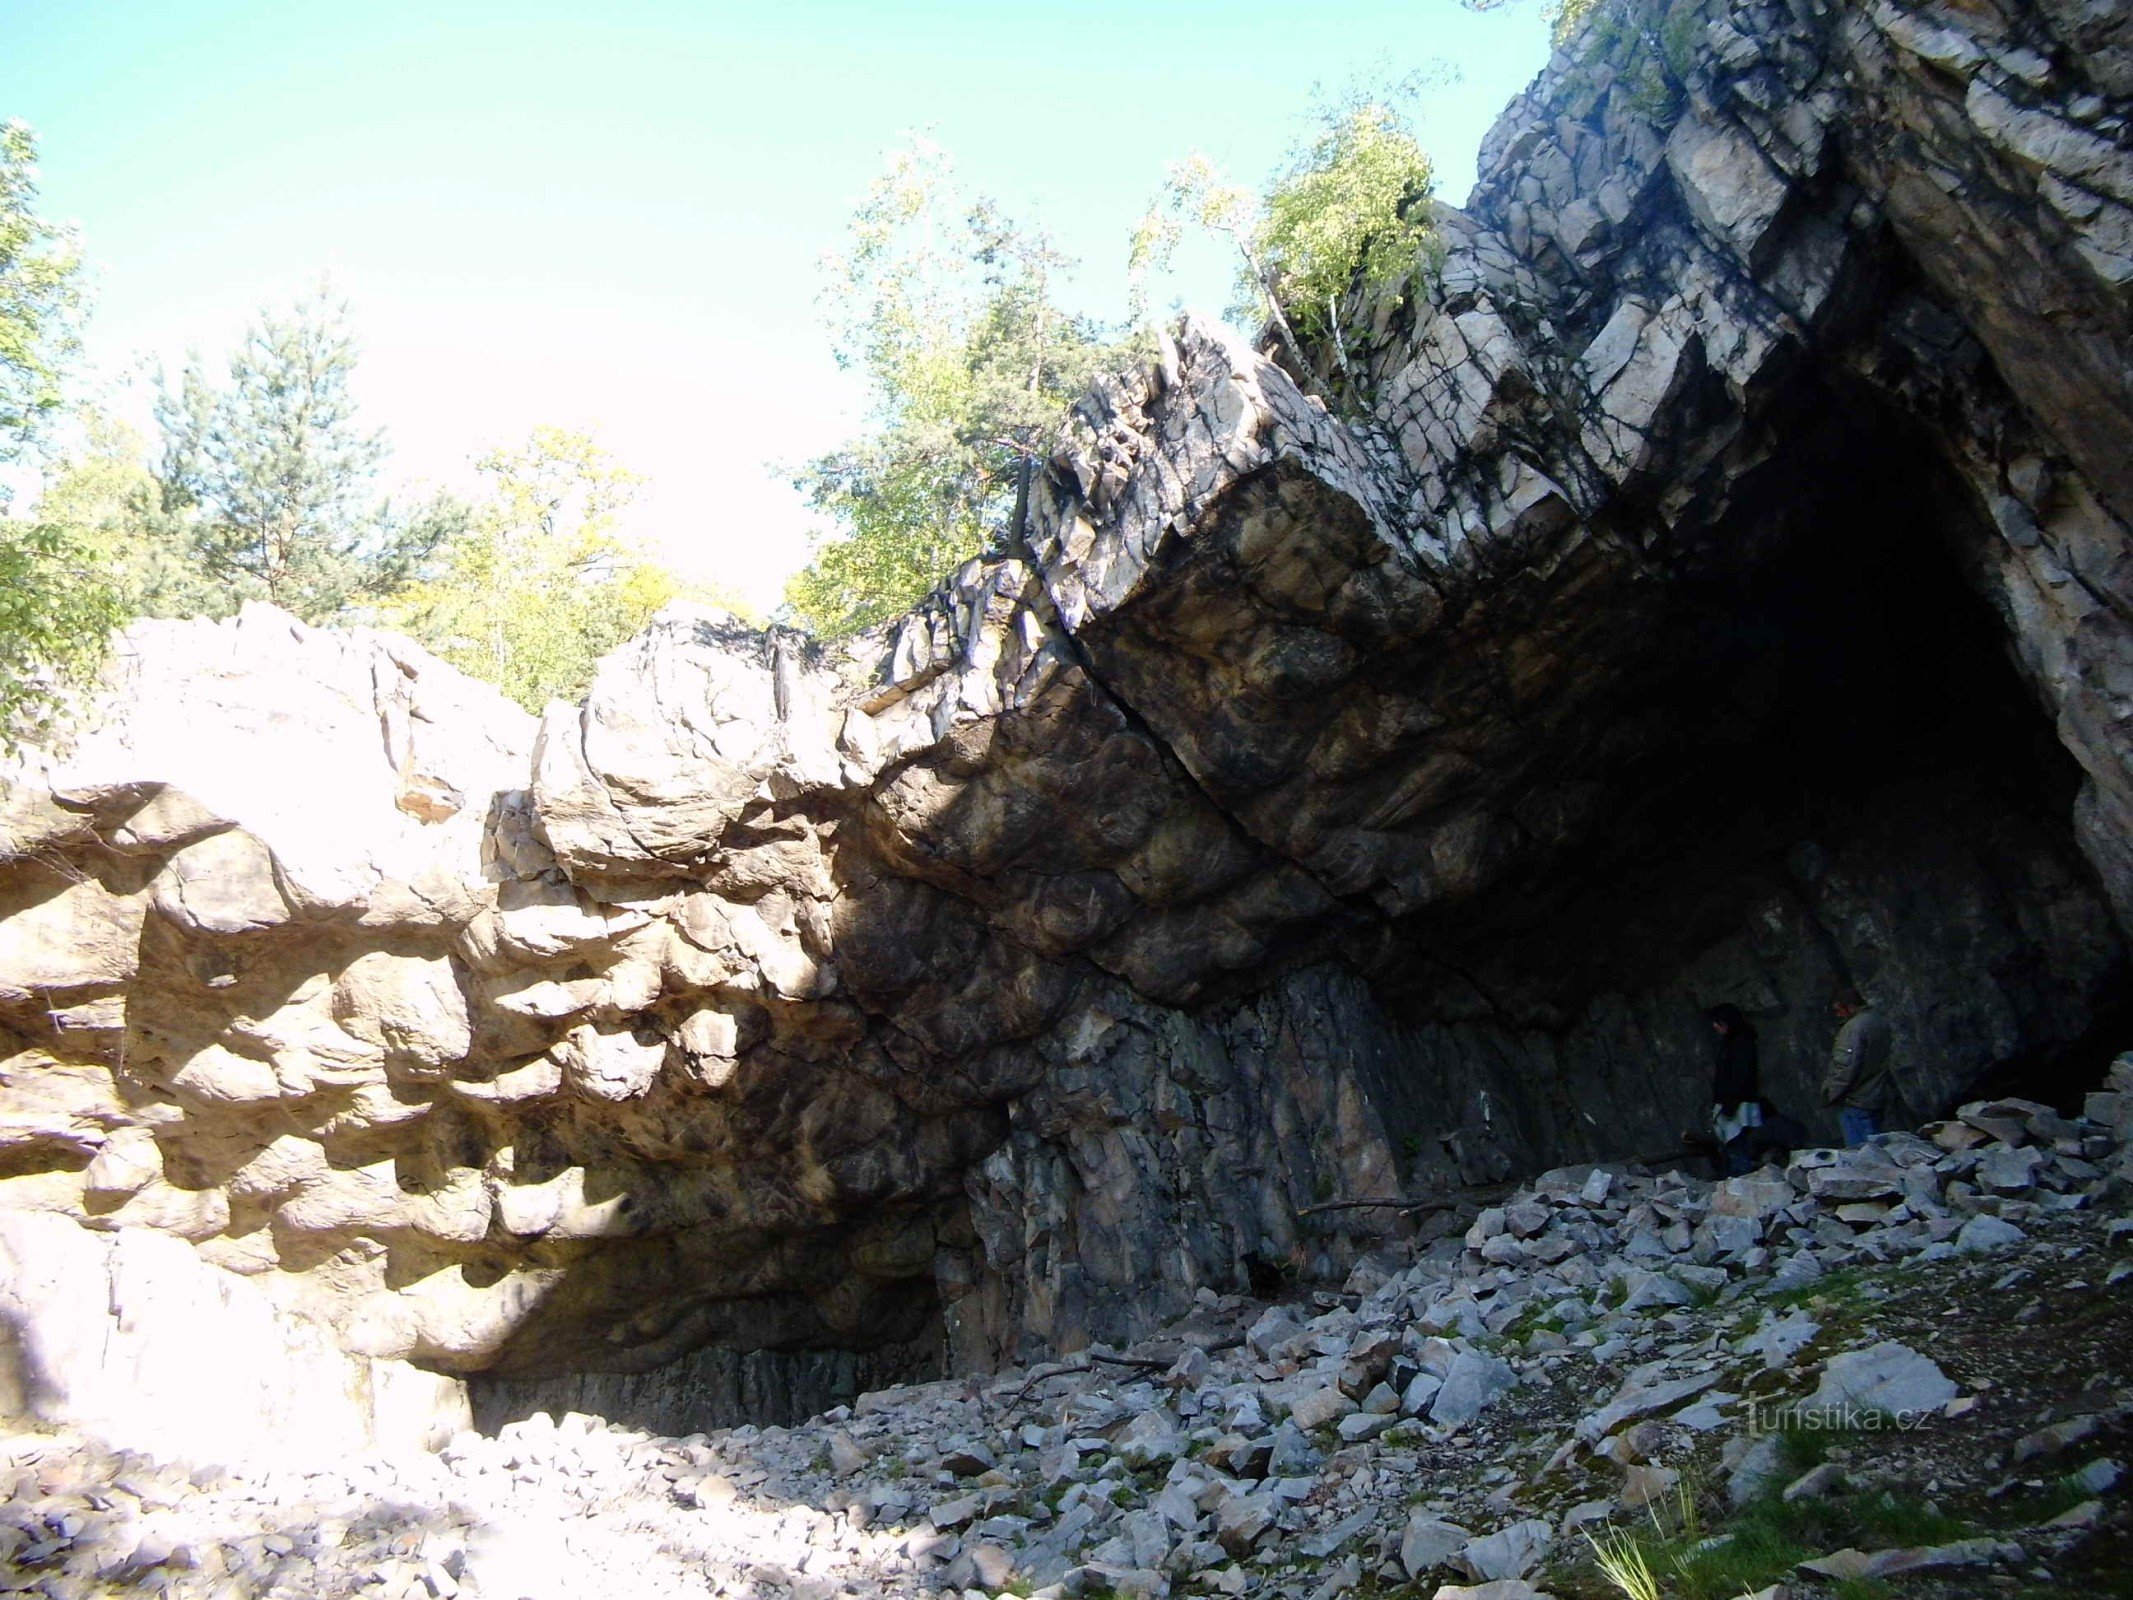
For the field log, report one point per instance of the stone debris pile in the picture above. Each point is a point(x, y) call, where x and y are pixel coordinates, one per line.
point(576, 1508)
point(1458, 1419)
point(1242, 1439)
point(77, 1519)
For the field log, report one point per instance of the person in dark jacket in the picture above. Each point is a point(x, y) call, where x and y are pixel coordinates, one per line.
point(1736, 1093)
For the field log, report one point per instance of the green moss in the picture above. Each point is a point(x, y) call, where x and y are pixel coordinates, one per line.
point(1803, 1449)
point(2060, 1494)
point(1838, 1289)
point(1677, 40)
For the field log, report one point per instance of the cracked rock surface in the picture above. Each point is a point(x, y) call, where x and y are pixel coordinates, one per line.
point(1714, 587)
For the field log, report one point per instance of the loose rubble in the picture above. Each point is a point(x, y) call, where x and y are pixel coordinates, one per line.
point(1461, 1420)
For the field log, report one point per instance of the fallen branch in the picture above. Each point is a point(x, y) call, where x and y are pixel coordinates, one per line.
point(1139, 1363)
point(1688, 1151)
point(1396, 1203)
point(1407, 1207)
point(1045, 1374)
point(1068, 1369)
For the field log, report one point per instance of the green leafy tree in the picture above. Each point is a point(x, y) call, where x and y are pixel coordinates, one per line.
point(948, 308)
point(540, 585)
point(40, 297)
point(1197, 193)
point(1565, 17)
point(271, 473)
point(57, 608)
point(1647, 47)
point(106, 498)
point(1349, 214)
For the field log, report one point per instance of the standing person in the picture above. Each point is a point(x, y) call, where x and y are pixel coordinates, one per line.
point(1736, 1096)
point(1860, 1081)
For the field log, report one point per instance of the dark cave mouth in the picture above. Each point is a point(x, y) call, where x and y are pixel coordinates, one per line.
point(1846, 733)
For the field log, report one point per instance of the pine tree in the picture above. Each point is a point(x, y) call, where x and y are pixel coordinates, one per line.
point(270, 472)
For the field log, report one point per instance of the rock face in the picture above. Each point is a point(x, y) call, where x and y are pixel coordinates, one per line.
point(1714, 587)
point(130, 1336)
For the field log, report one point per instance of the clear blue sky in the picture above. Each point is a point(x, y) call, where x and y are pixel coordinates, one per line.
point(610, 215)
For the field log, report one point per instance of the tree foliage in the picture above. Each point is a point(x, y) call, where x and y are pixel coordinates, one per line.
point(1197, 193)
point(57, 608)
point(1350, 213)
point(1564, 17)
point(108, 500)
point(261, 487)
point(40, 297)
point(270, 473)
point(540, 585)
point(947, 307)
point(261, 490)
point(57, 612)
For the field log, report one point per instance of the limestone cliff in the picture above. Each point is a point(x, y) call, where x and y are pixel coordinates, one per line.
point(1713, 585)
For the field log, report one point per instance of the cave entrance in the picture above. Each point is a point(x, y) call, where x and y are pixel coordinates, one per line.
point(1839, 776)
point(1858, 654)
point(1828, 643)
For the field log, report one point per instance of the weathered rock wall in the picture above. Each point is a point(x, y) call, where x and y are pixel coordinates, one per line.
point(129, 1337)
point(1712, 585)
point(709, 1387)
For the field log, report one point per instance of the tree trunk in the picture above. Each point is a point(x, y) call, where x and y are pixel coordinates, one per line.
point(1281, 320)
point(1340, 347)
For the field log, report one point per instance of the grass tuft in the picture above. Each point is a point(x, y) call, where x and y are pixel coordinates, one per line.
point(1625, 1560)
point(1674, 1559)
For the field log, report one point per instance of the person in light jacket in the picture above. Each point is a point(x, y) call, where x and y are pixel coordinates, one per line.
point(1861, 1080)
